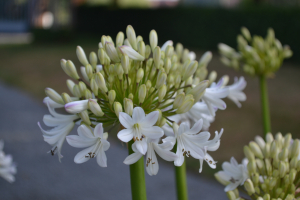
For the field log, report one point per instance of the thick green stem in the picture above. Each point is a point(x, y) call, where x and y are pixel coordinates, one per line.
point(137, 177)
point(265, 104)
point(181, 184)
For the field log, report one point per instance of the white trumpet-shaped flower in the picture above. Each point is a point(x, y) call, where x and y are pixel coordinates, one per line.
point(213, 97)
point(131, 53)
point(236, 93)
point(96, 141)
point(7, 167)
point(163, 150)
point(233, 173)
point(62, 126)
point(138, 127)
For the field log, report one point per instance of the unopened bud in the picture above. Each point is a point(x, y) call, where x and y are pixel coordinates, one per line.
point(52, 94)
point(177, 81)
point(231, 195)
point(282, 169)
point(287, 140)
point(283, 155)
point(94, 87)
point(102, 56)
point(161, 79)
point(88, 94)
point(269, 138)
point(199, 90)
point(93, 59)
point(156, 57)
point(128, 106)
point(139, 75)
point(83, 73)
point(246, 33)
point(142, 93)
point(205, 59)
point(267, 150)
point(82, 87)
point(112, 52)
point(76, 91)
point(120, 39)
point(130, 96)
point(111, 96)
point(131, 36)
point(147, 51)
point(141, 48)
point(162, 92)
point(85, 117)
point(267, 197)
point(153, 39)
point(179, 49)
point(101, 82)
point(63, 64)
point(256, 150)
point(190, 70)
point(117, 108)
point(89, 71)
point(186, 106)
point(249, 187)
point(81, 56)
point(295, 148)
point(66, 98)
point(268, 166)
point(70, 85)
point(251, 166)
point(260, 141)
point(248, 153)
point(212, 77)
point(72, 70)
point(95, 107)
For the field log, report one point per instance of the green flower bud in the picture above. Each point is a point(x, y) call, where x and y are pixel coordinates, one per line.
point(85, 117)
point(282, 169)
point(76, 91)
point(267, 197)
point(256, 150)
point(125, 83)
point(267, 151)
point(278, 191)
point(177, 81)
point(289, 197)
point(88, 94)
point(52, 94)
point(142, 48)
point(66, 98)
point(251, 166)
point(120, 39)
point(249, 187)
point(153, 39)
point(212, 77)
point(260, 141)
point(205, 59)
point(139, 38)
point(274, 149)
point(119, 71)
point(292, 175)
point(131, 37)
point(167, 65)
point(295, 148)
point(81, 56)
point(268, 166)
point(246, 33)
point(179, 50)
point(125, 63)
point(287, 140)
point(162, 92)
point(63, 64)
point(161, 79)
point(185, 55)
point(186, 106)
point(70, 85)
point(94, 87)
point(248, 153)
point(298, 165)
point(101, 82)
point(128, 106)
point(112, 52)
point(117, 108)
point(142, 93)
point(169, 51)
point(82, 87)
point(95, 108)
point(102, 56)
point(259, 198)
point(139, 75)
point(199, 90)
point(89, 71)
point(293, 163)
point(260, 165)
point(147, 51)
point(127, 43)
point(111, 96)
point(231, 195)
point(255, 179)
point(283, 155)
point(156, 57)
point(269, 138)
point(130, 96)
point(179, 99)
point(72, 70)
point(159, 117)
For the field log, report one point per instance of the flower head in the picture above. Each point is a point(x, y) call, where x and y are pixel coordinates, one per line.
point(7, 167)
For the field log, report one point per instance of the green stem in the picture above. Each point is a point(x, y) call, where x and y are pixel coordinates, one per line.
point(181, 184)
point(265, 104)
point(137, 177)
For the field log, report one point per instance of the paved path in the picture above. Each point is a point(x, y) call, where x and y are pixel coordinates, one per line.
point(40, 176)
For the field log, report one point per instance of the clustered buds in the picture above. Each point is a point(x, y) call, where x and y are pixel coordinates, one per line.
point(273, 168)
point(256, 55)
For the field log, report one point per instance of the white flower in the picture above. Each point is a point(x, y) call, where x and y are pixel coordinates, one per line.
point(192, 55)
point(63, 124)
point(235, 91)
point(96, 141)
point(163, 150)
point(187, 141)
point(138, 127)
point(7, 167)
point(131, 53)
point(234, 173)
point(166, 44)
point(212, 97)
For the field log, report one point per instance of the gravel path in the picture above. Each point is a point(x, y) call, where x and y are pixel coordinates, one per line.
point(40, 176)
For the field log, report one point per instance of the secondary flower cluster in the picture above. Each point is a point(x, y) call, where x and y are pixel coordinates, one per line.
point(147, 90)
point(257, 56)
point(7, 167)
point(271, 169)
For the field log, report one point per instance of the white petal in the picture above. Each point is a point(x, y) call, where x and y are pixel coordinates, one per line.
point(105, 144)
point(132, 158)
point(125, 135)
point(231, 186)
point(179, 161)
point(131, 53)
point(166, 44)
point(53, 121)
point(138, 114)
point(125, 120)
point(183, 128)
point(201, 165)
point(196, 128)
point(153, 132)
point(195, 151)
point(51, 103)
point(210, 161)
point(98, 131)
point(150, 119)
point(101, 158)
point(84, 131)
point(82, 156)
point(166, 145)
point(76, 106)
point(170, 139)
point(152, 168)
point(165, 154)
point(80, 142)
point(141, 146)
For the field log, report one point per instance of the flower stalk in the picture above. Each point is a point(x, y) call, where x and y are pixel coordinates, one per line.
point(181, 184)
point(265, 104)
point(137, 177)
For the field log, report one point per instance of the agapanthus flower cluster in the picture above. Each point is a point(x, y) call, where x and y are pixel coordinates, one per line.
point(7, 167)
point(271, 170)
point(147, 90)
point(257, 55)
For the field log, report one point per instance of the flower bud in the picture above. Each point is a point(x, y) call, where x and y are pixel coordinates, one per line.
point(169, 51)
point(251, 166)
point(89, 71)
point(85, 117)
point(190, 70)
point(179, 49)
point(225, 49)
point(72, 70)
point(167, 65)
point(111, 96)
point(153, 39)
point(139, 75)
point(283, 155)
point(282, 169)
point(199, 90)
point(205, 59)
point(260, 141)
point(101, 82)
point(128, 106)
point(179, 99)
point(142, 93)
point(269, 138)
point(127, 43)
point(148, 84)
point(95, 107)
point(147, 51)
point(102, 56)
point(141, 48)
point(177, 81)
point(274, 149)
point(231, 195)
point(260, 165)
point(120, 39)
point(267, 197)
point(131, 53)
point(52, 94)
point(161, 79)
point(81, 56)
point(246, 33)
point(212, 77)
point(70, 85)
point(130, 96)
point(292, 175)
point(93, 59)
point(287, 140)
point(112, 52)
point(83, 73)
point(267, 151)
point(255, 179)
point(111, 79)
point(76, 106)
point(248, 153)
point(131, 36)
point(256, 150)
point(156, 57)
point(162, 92)
point(186, 106)
point(295, 148)
point(125, 63)
point(82, 87)
point(63, 64)
point(88, 94)
point(94, 87)
point(76, 91)
point(293, 163)
point(66, 98)
point(117, 108)
point(249, 187)
point(268, 166)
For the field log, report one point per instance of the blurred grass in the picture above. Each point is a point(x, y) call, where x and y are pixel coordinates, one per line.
point(37, 66)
